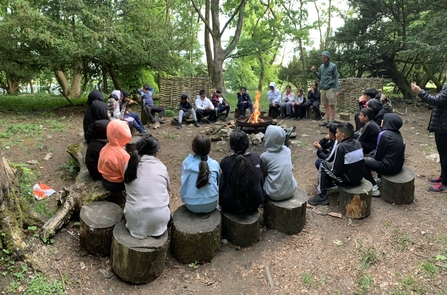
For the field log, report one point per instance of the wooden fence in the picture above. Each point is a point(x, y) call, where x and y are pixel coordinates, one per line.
point(352, 88)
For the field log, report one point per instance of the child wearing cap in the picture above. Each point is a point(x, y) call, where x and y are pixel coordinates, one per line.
point(220, 104)
point(186, 111)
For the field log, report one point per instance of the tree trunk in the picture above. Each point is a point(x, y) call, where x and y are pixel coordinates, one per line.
point(114, 77)
point(105, 86)
point(13, 83)
point(261, 72)
point(76, 82)
point(209, 54)
point(319, 25)
point(63, 83)
point(31, 86)
point(398, 78)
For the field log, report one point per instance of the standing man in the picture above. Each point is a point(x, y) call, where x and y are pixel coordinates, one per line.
point(328, 77)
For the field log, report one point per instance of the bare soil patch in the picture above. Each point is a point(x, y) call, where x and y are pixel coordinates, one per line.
point(396, 250)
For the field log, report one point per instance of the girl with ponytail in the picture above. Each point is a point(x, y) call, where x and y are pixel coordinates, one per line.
point(147, 185)
point(200, 177)
point(240, 188)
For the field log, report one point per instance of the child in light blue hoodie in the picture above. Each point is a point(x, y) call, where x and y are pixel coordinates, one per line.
point(276, 165)
point(200, 178)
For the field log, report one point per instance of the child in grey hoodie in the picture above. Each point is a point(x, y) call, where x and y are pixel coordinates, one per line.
point(276, 165)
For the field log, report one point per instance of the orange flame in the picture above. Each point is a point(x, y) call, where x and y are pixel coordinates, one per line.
point(254, 118)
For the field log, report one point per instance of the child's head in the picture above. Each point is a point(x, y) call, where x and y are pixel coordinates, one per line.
point(288, 89)
point(146, 88)
point(125, 95)
point(299, 91)
point(274, 138)
point(344, 131)
point(239, 142)
point(370, 93)
point(332, 130)
point(184, 97)
point(366, 115)
point(218, 92)
point(243, 90)
point(201, 146)
point(148, 145)
point(202, 94)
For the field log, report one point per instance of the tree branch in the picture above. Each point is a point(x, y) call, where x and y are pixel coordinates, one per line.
point(232, 17)
point(237, 34)
point(207, 25)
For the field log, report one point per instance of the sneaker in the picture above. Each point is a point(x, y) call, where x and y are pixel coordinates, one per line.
point(436, 179)
point(325, 123)
point(153, 121)
point(196, 124)
point(159, 120)
point(438, 188)
point(143, 132)
point(375, 191)
point(319, 118)
point(179, 126)
point(378, 181)
point(319, 199)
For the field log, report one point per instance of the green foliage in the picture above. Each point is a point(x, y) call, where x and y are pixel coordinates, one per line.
point(70, 169)
point(365, 284)
point(307, 279)
point(41, 285)
point(170, 135)
point(170, 113)
point(30, 104)
point(402, 239)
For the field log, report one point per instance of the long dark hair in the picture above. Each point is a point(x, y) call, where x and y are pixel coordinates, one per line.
point(201, 146)
point(241, 177)
point(147, 145)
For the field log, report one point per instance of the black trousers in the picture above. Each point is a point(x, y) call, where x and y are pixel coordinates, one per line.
point(441, 145)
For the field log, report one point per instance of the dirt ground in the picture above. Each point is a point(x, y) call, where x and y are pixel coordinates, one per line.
point(396, 250)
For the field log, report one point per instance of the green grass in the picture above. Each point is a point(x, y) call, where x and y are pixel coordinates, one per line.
point(402, 240)
point(31, 103)
point(170, 135)
point(365, 284)
point(370, 256)
point(41, 285)
point(307, 279)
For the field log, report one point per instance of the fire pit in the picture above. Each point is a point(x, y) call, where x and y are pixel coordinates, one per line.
point(262, 124)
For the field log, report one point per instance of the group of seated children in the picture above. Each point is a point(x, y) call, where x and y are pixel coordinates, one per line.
point(289, 105)
point(348, 166)
point(239, 184)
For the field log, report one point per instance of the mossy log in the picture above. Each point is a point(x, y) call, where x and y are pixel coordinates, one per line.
point(287, 216)
point(398, 189)
point(97, 222)
point(137, 261)
point(195, 237)
point(84, 191)
point(355, 202)
point(241, 229)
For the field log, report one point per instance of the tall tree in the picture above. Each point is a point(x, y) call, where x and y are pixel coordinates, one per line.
point(213, 32)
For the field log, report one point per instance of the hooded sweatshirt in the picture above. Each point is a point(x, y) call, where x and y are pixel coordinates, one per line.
point(327, 74)
point(113, 158)
point(98, 134)
point(98, 111)
point(378, 110)
point(390, 145)
point(275, 95)
point(276, 165)
point(189, 193)
point(95, 95)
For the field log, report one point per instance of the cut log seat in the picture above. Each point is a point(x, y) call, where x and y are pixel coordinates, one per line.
point(195, 237)
point(241, 229)
point(288, 216)
point(97, 222)
point(137, 261)
point(355, 201)
point(398, 189)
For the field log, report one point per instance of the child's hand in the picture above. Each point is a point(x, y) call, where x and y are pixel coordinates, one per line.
point(317, 145)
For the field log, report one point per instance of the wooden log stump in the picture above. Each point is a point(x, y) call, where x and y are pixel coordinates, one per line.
point(355, 201)
point(274, 113)
point(137, 261)
point(195, 237)
point(311, 114)
point(97, 222)
point(287, 216)
point(345, 116)
point(399, 188)
point(241, 229)
point(237, 112)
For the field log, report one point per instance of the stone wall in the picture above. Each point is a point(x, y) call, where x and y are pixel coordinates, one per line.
point(352, 88)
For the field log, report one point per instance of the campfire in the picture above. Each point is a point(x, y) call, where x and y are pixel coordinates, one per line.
point(255, 117)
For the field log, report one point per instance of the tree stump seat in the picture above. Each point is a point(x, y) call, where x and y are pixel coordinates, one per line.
point(345, 116)
point(287, 216)
point(355, 201)
point(398, 189)
point(137, 261)
point(97, 222)
point(195, 237)
point(241, 229)
point(311, 114)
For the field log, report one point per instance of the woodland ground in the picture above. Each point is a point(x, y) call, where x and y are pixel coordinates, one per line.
point(396, 250)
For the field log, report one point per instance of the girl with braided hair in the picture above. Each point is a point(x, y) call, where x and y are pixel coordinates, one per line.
point(200, 177)
point(240, 188)
point(147, 185)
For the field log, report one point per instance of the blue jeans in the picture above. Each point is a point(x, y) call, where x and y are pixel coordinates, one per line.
point(137, 121)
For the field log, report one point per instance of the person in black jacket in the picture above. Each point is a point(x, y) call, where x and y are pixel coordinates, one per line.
point(244, 102)
point(186, 111)
point(367, 135)
point(348, 167)
point(313, 100)
point(326, 146)
point(438, 125)
point(97, 98)
point(240, 188)
point(97, 140)
point(388, 157)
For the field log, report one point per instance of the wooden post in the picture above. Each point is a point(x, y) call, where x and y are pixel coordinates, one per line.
point(195, 237)
point(137, 261)
point(241, 229)
point(288, 216)
point(355, 202)
point(399, 188)
point(97, 222)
